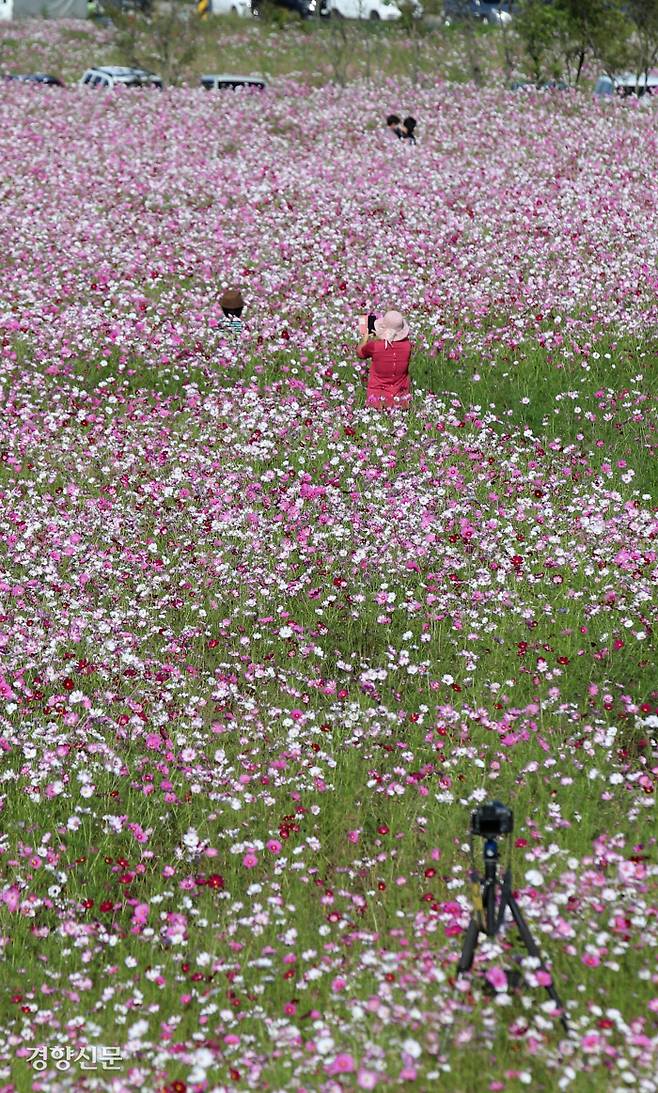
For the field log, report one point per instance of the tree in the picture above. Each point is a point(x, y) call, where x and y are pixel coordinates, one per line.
point(464, 12)
point(166, 39)
point(643, 16)
point(559, 37)
point(417, 32)
point(586, 28)
point(538, 25)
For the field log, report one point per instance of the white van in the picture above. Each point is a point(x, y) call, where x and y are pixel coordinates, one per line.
point(230, 7)
point(224, 81)
point(369, 9)
point(627, 84)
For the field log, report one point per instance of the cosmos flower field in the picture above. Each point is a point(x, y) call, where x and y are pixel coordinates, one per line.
point(262, 650)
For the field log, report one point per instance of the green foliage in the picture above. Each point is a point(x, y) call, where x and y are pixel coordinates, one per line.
point(537, 24)
point(643, 18)
point(559, 38)
point(166, 40)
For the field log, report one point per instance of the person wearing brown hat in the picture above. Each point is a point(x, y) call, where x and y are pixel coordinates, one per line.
point(231, 303)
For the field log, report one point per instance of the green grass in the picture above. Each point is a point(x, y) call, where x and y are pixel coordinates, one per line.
point(528, 775)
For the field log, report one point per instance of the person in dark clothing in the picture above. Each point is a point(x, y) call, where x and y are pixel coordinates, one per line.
point(408, 127)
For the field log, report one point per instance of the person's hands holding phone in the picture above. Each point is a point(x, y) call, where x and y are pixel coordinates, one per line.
point(363, 330)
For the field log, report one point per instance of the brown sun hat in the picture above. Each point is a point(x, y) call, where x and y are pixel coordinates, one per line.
point(231, 297)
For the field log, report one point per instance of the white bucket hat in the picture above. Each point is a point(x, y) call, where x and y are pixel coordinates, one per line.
point(391, 327)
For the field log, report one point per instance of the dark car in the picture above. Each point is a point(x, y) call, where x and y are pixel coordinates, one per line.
point(99, 8)
point(495, 12)
point(37, 77)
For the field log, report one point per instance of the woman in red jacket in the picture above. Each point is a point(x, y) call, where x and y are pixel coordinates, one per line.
point(388, 379)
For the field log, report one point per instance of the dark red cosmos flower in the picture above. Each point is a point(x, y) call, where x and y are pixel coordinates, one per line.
point(383, 829)
point(563, 660)
point(215, 881)
point(68, 684)
point(107, 905)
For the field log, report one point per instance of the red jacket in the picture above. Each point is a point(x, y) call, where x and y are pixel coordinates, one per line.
point(388, 380)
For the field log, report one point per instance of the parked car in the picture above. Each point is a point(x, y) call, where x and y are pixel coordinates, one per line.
point(37, 77)
point(231, 7)
point(627, 84)
point(114, 76)
point(387, 10)
point(303, 8)
point(213, 83)
point(496, 12)
point(543, 85)
point(104, 8)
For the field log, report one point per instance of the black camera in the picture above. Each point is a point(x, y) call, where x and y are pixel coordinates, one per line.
point(492, 820)
point(372, 319)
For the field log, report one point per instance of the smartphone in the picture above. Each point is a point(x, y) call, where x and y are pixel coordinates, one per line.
point(367, 324)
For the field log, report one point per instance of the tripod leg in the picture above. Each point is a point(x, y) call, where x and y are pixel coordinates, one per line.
point(505, 892)
point(468, 950)
point(530, 945)
point(489, 900)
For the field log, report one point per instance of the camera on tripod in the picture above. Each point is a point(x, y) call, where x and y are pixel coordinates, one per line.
point(492, 820)
point(493, 897)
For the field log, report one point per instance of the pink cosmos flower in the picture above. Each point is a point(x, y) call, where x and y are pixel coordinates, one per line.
point(497, 978)
point(250, 859)
point(11, 897)
point(342, 1064)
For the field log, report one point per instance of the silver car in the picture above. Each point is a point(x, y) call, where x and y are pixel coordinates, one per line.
point(115, 76)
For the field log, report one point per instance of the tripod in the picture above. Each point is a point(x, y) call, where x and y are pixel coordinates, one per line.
point(488, 919)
